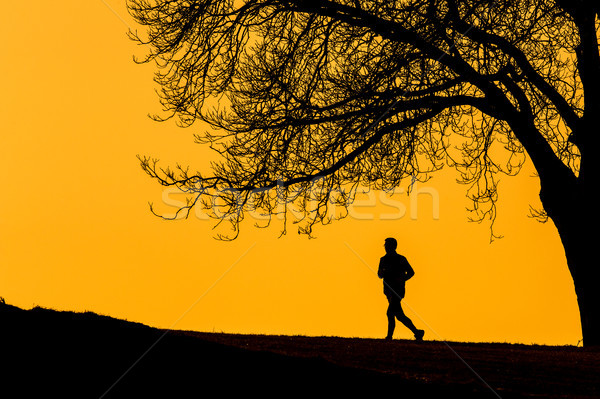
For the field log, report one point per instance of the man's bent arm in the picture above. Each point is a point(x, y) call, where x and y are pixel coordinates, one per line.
point(381, 269)
point(409, 271)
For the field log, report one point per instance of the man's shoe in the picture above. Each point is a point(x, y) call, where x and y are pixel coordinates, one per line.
point(388, 338)
point(419, 335)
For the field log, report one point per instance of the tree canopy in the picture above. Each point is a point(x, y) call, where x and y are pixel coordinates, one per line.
point(318, 97)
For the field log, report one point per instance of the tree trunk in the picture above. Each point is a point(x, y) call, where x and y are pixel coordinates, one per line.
point(584, 269)
point(588, 299)
point(576, 220)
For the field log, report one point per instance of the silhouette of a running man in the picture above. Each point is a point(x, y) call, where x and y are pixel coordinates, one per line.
point(394, 269)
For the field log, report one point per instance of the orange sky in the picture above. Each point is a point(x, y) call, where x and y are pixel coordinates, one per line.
point(76, 232)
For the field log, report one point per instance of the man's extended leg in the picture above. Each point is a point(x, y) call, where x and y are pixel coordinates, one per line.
point(408, 322)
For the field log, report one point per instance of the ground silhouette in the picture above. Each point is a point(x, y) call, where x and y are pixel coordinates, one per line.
point(85, 355)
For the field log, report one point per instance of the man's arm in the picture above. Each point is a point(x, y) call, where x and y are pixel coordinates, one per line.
point(381, 270)
point(409, 272)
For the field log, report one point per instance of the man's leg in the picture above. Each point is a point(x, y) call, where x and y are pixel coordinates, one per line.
point(391, 316)
point(404, 319)
point(408, 322)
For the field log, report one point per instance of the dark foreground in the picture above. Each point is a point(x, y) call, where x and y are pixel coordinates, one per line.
point(45, 353)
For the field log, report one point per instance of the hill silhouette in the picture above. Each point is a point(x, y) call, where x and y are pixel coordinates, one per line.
point(49, 353)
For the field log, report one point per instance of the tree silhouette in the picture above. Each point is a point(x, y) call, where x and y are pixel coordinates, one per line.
point(318, 97)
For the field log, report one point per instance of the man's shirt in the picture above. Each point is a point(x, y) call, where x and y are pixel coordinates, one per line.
point(394, 269)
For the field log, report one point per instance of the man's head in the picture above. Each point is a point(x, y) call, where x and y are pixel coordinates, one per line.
point(390, 245)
